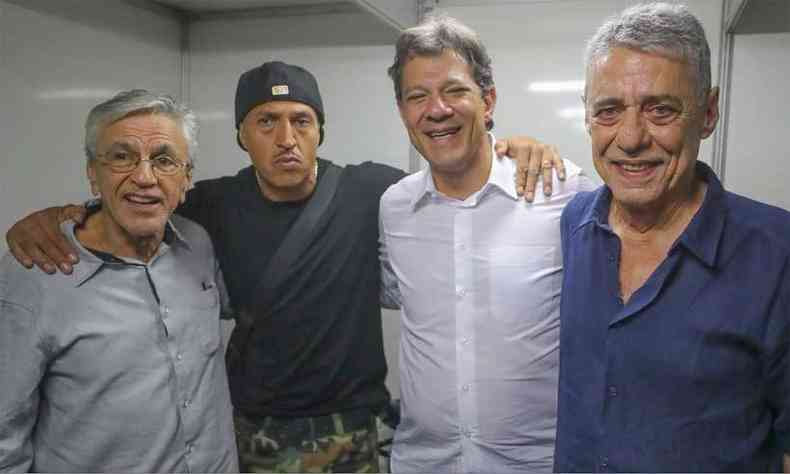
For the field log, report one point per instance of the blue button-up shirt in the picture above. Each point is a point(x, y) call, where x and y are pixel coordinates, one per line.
point(691, 374)
point(117, 367)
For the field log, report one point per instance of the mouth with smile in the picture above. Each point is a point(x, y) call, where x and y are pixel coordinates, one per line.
point(441, 135)
point(142, 201)
point(632, 170)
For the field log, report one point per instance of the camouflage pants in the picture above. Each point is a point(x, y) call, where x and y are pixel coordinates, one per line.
point(332, 443)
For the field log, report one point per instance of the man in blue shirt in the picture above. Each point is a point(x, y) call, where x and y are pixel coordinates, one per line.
point(676, 293)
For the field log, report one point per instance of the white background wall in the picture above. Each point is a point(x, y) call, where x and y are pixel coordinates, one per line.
point(757, 159)
point(57, 60)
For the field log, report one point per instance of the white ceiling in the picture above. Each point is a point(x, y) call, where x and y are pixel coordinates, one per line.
point(764, 16)
point(211, 6)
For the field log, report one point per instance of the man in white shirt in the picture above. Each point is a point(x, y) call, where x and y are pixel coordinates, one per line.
point(476, 270)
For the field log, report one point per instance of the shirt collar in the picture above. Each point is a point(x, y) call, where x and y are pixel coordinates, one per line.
point(90, 263)
point(703, 234)
point(500, 177)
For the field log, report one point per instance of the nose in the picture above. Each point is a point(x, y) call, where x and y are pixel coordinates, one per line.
point(285, 135)
point(633, 136)
point(143, 175)
point(437, 109)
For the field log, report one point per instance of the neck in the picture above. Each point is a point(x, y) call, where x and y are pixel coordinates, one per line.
point(98, 233)
point(674, 213)
point(462, 183)
point(300, 192)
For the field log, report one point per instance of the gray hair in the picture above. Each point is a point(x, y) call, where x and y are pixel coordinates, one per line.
point(661, 28)
point(431, 38)
point(136, 102)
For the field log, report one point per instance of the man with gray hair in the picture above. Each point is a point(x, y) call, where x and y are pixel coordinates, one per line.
point(117, 366)
point(476, 271)
point(675, 323)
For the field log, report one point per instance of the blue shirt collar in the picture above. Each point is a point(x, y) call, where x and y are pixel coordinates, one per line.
point(703, 234)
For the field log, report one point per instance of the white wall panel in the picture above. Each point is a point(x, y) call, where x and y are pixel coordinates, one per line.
point(757, 156)
point(537, 47)
point(57, 60)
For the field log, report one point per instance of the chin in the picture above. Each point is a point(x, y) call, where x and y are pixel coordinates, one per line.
point(635, 198)
point(147, 230)
point(450, 164)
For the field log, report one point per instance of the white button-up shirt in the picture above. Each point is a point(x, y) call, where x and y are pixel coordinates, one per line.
point(479, 283)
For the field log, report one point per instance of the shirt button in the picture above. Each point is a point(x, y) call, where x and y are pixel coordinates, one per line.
point(604, 463)
point(190, 448)
point(461, 292)
point(179, 356)
point(165, 311)
point(187, 403)
point(612, 391)
point(465, 341)
point(612, 258)
point(465, 388)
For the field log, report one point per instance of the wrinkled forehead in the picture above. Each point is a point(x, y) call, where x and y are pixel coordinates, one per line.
point(446, 66)
point(636, 72)
point(142, 131)
point(284, 108)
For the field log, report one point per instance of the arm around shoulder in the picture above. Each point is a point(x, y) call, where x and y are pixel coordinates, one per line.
point(37, 239)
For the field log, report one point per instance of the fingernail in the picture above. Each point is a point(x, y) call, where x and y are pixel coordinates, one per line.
point(72, 258)
point(530, 196)
point(49, 268)
point(547, 191)
point(65, 268)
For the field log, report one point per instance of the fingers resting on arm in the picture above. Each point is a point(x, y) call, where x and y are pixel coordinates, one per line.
point(533, 160)
point(38, 240)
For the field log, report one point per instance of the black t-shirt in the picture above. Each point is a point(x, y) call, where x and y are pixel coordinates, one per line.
point(319, 349)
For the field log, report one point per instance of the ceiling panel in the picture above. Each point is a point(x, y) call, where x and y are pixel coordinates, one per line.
point(764, 16)
point(212, 6)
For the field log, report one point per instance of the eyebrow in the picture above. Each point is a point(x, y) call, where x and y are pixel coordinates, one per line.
point(302, 114)
point(450, 82)
point(650, 99)
point(278, 114)
point(163, 149)
point(124, 145)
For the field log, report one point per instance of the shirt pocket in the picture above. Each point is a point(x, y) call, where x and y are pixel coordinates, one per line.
point(523, 283)
point(205, 315)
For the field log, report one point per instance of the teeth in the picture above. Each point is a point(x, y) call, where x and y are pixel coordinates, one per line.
point(140, 200)
point(635, 167)
point(441, 134)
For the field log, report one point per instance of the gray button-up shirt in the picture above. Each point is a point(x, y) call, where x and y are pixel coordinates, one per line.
point(479, 281)
point(117, 367)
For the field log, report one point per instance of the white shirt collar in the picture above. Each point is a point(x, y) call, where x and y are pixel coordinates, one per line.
point(501, 176)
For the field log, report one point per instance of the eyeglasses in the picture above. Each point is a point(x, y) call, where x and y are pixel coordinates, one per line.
point(121, 161)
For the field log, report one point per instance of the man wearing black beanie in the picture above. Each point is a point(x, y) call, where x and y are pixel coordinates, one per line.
point(306, 362)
